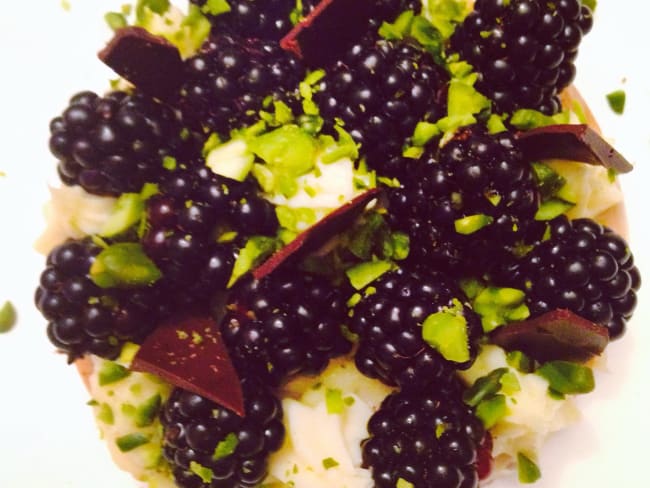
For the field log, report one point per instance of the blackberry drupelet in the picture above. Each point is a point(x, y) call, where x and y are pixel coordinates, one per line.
point(583, 267)
point(429, 438)
point(229, 81)
point(230, 450)
point(185, 220)
point(389, 322)
point(116, 143)
point(382, 87)
point(523, 50)
point(84, 318)
point(475, 175)
point(285, 324)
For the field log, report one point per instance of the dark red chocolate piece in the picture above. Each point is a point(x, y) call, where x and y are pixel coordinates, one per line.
point(318, 234)
point(150, 62)
point(572, 142)
point(190, 353)
point(555, 335)
point(324, 35)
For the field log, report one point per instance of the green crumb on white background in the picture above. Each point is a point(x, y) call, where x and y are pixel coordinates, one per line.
point(616, 100)
point(65, 5)
point(7, 316)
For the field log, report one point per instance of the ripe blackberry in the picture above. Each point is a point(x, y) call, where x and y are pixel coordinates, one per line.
point(228, 82)
point(475, 175)
point(285, 324)
point(84, 318)
point(185, 219)
point(231, 451)
point(523, 50)
point(583, 267)
point(389, 324)
point(429, 438)
point(116, 143)
point(378, 88)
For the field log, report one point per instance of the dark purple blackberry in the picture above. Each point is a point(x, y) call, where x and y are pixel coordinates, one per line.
point(285, 324)
point(389, 322)
point(187, 217)
point(200, 436)
point(116, 143)
point(429, 438)
point(379, 88)
point(228, 82)
point(474, 176)
point(523, 50)
point(583, 267)
point(84, 318)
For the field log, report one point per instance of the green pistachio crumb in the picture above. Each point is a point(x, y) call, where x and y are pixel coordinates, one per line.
point(147, 411)
point(201, 471)
point(446, 331)
point(111, 372)
point(123, 264)
point(129, 442)
point(334, 401)
point(215, 7)
point(402, 483)
point(7, 316)
point(225, 447)
point(115, 20)
point(616, 101)
point(567, 378)
point(484, 387)
point(363, 274)
point(472, 223)
point(527, 470)
point(329, 463)
point(491, 410)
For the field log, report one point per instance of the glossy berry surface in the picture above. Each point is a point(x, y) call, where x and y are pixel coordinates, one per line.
point(428, 438)
point(115, 143)
point(378, 88)
point(84, 318)
point(471, 199)
point(200, 436)
point(284, 325)
point(523, 50)
point(389, 322)
point(228, 82)
point(583, 267)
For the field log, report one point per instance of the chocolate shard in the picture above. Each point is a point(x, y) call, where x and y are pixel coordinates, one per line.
point(572, 142)
point(318, 234)
point(324, 35)
point(150, 62)
point(555, 335)
point(189, 353)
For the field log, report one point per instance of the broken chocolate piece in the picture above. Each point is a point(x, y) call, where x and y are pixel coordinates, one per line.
point(150, 62)
point(555, 335)
point(572, 142)
point(190, 353)
point(318, 234)
point(325, 34)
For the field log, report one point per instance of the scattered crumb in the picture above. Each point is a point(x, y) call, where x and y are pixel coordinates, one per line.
point(7, 317)
point(616, 100)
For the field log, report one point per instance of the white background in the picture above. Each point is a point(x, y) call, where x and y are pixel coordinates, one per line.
point(47, 435)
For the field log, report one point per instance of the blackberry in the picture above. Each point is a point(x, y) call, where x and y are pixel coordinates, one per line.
point(429, 438)
point(229, 81)
point(187, 217)
point(285, 324)
point(231, 450)
point(476, 175)
point(389, 324)
point(378, 88)
point(523, 50)
point(583, 267)
point(84, 318)
point(115, 143)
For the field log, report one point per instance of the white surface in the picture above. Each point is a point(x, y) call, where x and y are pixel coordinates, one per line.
point(47, 436)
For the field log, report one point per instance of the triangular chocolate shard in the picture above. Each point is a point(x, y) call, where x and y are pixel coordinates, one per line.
point(571, 142)
point(318, 234)
point(150, 62)
point(189, 353)
point(555, 335)
point(328, 31)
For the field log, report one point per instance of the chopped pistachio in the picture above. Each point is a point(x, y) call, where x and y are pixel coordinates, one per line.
point(472, 223)
point(365, 273)
point(527, 470)
point(225, 447)
point(334, 401)
point(616, 101)
point(519, 361)
point(129, 442)
point(484, 387)
point(566, 377)
point(402, 483)
point(329, 463)
point(115, 20)
point(123, 264)
point(498, 306)
point(257, 248)
point(201, 471)
point(105, 414)
point(491, 410)
point(111, 372)
point(216, 7)
point(7, 316)
point(446, 331)
point(147, 412)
